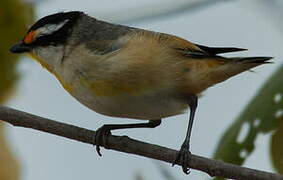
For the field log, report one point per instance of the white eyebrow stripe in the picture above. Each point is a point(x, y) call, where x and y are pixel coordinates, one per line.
point(50, 28)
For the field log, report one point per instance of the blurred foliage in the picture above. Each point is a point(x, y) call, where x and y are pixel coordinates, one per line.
point(139, 176)
point(9, 168)
point(262, 115)
point(277, 148)
point(14, 18)
point(164, 172)
point(167, 175)
point(15, 15)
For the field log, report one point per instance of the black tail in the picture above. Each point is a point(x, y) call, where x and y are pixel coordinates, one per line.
point(256, 60)
point(234, 66)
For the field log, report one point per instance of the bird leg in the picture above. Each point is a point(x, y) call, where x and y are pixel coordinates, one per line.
point(103, 132)
point(184, 154)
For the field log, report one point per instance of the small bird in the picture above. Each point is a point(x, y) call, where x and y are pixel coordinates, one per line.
point(128, 72)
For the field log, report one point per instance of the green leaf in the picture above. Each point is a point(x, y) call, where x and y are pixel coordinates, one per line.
point(277, 148)
point(260, 116)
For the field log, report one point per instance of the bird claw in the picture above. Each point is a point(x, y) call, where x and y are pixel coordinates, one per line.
point(183, 157)
point(101, 136)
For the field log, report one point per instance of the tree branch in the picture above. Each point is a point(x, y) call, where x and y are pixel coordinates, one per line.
point(128, 145)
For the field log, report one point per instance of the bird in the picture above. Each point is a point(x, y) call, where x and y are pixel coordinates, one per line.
point(128, 72)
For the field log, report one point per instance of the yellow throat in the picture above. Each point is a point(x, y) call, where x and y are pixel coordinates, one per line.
point(65, 85)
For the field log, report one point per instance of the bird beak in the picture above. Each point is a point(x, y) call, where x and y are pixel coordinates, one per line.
point(20, 48)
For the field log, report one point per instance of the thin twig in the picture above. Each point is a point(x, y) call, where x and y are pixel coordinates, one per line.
point(128, 145)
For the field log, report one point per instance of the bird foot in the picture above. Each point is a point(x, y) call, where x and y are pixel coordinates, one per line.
point(101, 136)
point(183, 157)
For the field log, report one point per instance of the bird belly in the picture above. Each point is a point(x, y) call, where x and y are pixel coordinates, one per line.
point(147, 105)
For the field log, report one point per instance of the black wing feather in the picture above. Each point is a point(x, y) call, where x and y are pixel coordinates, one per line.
point(219, 50)
point(206, 51)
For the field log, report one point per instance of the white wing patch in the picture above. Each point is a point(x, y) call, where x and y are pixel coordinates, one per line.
point(50, 28)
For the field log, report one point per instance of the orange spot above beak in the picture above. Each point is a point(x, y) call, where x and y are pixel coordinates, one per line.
point(29, 38)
